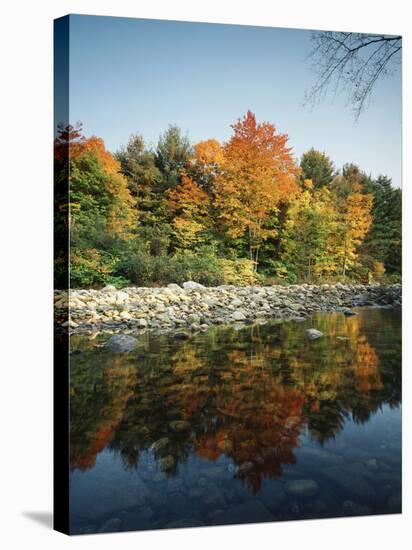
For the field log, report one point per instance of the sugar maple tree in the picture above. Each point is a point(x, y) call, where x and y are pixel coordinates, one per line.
point(258, 172)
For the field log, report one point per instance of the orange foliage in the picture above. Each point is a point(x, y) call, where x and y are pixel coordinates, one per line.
point(258, 172)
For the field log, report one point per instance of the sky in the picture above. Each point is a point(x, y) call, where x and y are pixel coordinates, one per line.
point(139, 76)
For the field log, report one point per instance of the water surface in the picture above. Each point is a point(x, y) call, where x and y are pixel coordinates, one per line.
point(238, 425)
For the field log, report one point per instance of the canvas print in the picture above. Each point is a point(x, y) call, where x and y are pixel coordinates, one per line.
point(227, 274)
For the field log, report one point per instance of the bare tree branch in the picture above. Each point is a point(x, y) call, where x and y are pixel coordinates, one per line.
point(351, 62)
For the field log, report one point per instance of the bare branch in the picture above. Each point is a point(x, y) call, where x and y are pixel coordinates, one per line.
point(351, 62)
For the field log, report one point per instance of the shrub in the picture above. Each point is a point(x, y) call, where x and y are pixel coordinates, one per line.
point(238, 272)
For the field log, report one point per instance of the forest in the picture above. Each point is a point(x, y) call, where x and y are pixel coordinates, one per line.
point(241, 212)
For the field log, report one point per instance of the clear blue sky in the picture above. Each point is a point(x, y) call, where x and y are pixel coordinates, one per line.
point(134, 75)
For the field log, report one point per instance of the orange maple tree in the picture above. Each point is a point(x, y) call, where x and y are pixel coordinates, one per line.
point(258, 173)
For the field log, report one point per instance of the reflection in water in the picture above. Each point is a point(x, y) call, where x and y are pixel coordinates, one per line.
point(237, 404)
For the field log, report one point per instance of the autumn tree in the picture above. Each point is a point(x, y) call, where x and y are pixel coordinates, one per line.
point(189, 206)
point(356, 220)
point(101, 210)
point(206, 163)
point(308, 236)
point(258, 172)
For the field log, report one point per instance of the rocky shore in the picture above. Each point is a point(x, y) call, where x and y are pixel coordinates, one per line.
point(193, 307)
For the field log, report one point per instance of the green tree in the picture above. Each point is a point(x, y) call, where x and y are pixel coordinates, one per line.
point(317, 167)
point(137, 164)
point(384, 241)
point(172, 155)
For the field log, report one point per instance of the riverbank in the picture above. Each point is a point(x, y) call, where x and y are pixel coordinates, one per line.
point(193, 307)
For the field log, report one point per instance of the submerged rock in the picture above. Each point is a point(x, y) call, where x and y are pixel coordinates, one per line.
point(179, 426)
point(313, 333)
point(122, 343)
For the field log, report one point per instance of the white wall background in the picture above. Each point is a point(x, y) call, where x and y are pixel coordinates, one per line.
point(26, 272)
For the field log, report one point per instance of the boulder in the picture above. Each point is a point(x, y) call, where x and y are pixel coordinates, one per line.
point(174, 287)
point(122, 343)
point(313, 333)
point(191, 285)
point(238, 316)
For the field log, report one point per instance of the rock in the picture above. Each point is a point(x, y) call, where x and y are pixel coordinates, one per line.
point(125, 315)
point(252, 511)
point(174, 287)
point(109, 288)
point(121, 296)
point(111, 525)
point(160, 444)
point(191, 285)
point(179, 426)
point(301, 488)
point(313, 334)
point(122, 343)
point(181, 335)
point(348, 312)
point(238, 316)
point(141, 323)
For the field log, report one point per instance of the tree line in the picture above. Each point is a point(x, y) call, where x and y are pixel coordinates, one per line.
point(240, 212)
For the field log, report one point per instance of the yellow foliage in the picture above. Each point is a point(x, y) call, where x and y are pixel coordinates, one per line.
point(238, 272)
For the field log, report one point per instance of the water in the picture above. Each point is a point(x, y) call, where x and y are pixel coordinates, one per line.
point(238, 425)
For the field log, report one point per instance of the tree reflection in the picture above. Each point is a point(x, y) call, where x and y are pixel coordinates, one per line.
point(244, 394)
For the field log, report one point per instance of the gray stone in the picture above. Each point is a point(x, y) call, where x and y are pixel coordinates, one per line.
point(313, 333)
point(191, 285)
point(109, 288)
point(174, 287)
point(238, 316)
point(122, 343)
